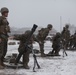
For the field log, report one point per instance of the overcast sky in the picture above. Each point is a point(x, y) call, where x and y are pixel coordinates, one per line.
point(24, 13)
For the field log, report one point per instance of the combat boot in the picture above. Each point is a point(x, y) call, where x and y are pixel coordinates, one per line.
point(1, 66)
point(43, 55)
point(57, 54)
point(26, 66)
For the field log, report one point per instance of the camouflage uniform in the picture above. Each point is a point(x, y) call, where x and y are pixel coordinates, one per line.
point(71, 42)
point(23, 38)
point(42, 34)
point(4, 30)
point(56, 44)
point(74, 41)
point(65, 36)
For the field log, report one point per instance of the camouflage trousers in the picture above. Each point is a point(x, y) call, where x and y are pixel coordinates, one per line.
point(26, 58)
point(41, 45)
point(55, 50)
point(3, 49)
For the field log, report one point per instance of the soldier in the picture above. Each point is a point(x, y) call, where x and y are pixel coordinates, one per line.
point(42, 34)
point(22, 38)
point(71, 42)
point(74, 41)
point(4, 30)
point(66, 35)
point(56, 44)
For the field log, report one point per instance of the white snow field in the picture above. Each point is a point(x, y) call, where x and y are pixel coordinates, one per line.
point(56, 65)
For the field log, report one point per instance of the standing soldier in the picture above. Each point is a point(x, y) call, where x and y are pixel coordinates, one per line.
point(66, 35)
point(74, 41)
point(71, 42)
point(4, 30)
point(42, 34)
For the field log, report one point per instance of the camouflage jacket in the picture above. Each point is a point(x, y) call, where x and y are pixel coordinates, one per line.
point(42, 34)
point(65, 34)
point(56, 41)
point(4, 25)
point(22, 38)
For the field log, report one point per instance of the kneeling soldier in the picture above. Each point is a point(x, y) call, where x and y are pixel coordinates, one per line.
point(56, 45)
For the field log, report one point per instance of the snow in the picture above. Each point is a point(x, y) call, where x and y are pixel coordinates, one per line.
point(57, 65)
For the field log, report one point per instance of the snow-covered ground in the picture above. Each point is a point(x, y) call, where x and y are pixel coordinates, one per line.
point(49, 65)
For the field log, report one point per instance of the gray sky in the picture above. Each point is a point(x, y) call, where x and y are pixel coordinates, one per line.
point(24, 13)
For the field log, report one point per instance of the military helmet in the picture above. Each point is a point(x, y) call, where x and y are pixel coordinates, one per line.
point(27, 32)
point(49, 26)
point(4, 9)
point(67, 26)
point(64, 28)
point(75, 32)
point(58, 34)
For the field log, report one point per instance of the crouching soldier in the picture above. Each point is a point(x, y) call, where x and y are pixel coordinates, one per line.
point(23, 38)
point(56, 45)
point(41, 36)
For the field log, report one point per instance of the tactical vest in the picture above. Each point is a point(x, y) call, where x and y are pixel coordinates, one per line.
point(4, 25)
point(43, 33)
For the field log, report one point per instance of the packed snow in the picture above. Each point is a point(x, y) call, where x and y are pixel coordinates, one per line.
point(57, 65)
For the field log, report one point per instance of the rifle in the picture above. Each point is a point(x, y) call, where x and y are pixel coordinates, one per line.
point(26, 44)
